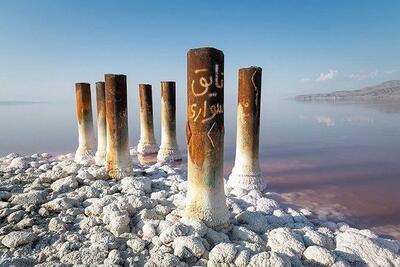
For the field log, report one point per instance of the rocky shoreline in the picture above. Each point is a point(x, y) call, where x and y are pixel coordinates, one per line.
point(389, 90)
point(55, 212)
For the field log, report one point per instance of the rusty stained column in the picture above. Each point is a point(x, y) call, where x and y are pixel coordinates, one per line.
point(246, 173)
point(118, 160)
point(147, 143)
point(84, 115)
point(205, 136)
point(169, 150)
point(101, 124)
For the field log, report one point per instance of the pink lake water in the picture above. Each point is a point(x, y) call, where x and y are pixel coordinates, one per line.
point(339, 160)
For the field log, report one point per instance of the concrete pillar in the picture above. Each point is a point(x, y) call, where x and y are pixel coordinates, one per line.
point(101, 124)
point(246, 173)
point(147, 143)
point(169, 150)
point(85, 123)
point(205, 136)
point(118, 160)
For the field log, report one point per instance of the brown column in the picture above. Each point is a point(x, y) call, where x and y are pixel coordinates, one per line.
point(101, 124)
point(205, 136)
point(85, 151)
point(246, 172)
point(169, 150)
point(147, 143)
point(118, 161)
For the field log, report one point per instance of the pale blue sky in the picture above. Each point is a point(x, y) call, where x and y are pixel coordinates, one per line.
point(302, 46)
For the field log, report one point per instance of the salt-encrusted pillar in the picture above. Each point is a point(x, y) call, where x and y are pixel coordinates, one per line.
point(246, 173)
point(147, 143)
point(101, 124)
point(85, 123)
point(118, 160)
point(169, 150)
point(205, 136)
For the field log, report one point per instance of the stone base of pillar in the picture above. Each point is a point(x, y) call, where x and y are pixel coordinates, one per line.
point(147, 148)
point(84, 156)
point(240, 178)
point(100, 158)
point(166, 154)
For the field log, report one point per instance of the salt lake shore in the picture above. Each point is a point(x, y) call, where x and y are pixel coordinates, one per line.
point(55, 212)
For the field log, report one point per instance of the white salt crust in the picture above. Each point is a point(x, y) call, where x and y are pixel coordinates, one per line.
point(147, 148)
point(168, 154)
point(56, 212)
point(242, 179)
point(100, 158)
point(83, 155)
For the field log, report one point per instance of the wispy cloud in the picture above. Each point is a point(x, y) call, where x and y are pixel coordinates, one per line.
point(331, 74)
point(363, 75)
point(359, 76)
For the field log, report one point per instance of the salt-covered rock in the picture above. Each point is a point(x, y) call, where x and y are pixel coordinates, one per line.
point(149, 231)
point(16, 216)
point(242, 233)
point(64, 184)
point(223, 253)
point(19, 163)
point(196, 227)
point(136, 244)
point(117, 219)
point(18, 238)
point(268, 259)
point(136, 183)
point(60, 204)
point(56, 225)
point(318, 256)
point(255, 221)
point(315, 238)
point(214, 237)
point(52, 175)
point(4, 195)
point(280, 218)
point(173, 232)
point(31, 198)
point(87, 256)
point(267, 205)
point(188, 246)
point(242, 258)
point(284, 241)
point(357, 248)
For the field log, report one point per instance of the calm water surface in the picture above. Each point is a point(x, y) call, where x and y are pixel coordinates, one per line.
point(339, 160)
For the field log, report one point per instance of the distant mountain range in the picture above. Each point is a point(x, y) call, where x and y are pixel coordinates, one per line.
point(389, 90)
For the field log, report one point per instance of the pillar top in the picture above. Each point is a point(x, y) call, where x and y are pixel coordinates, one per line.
point(167, 81)
point(251, 68)
point(113, 75)
point(201, 50)
point(82, 83)
point(99, 82)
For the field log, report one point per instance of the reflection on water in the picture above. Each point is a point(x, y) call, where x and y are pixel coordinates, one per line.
point(340, 160)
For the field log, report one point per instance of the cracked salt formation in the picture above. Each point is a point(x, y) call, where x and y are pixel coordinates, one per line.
point(118, 160)
point(84, 116)
point(100, 157)
point(169, 150)
point(247, 173)
point(56, 212)
point(147, 142)
point(205, 136)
